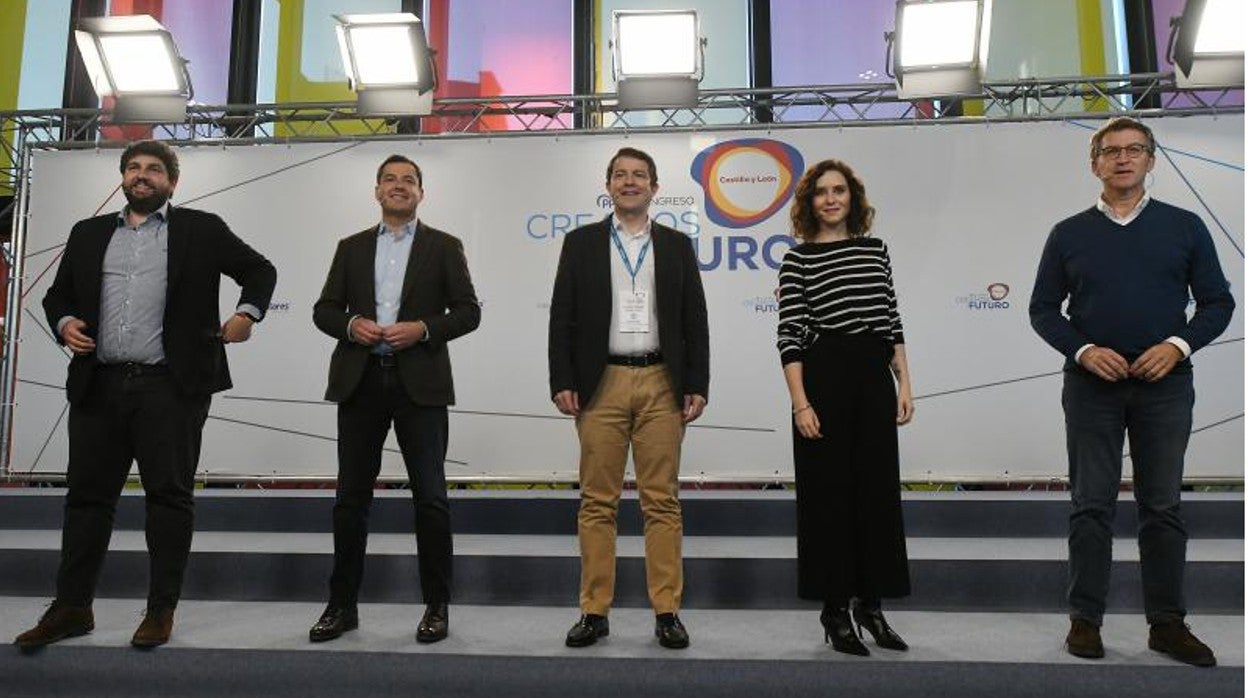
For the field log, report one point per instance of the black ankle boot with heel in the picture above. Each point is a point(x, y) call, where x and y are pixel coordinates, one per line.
point(867, 614)
point(838, 629)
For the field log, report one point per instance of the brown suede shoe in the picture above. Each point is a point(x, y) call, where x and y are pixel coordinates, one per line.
point(57, 623)
point(1084, 639)
point(155, 629)
point(1176, 639)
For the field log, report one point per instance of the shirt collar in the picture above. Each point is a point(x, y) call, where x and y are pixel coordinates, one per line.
point(161, 214)
point(625, 235)
point(1108, 210)
point(409, 229)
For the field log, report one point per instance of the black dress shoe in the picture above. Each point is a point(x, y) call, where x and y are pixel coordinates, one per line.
point(670, 631)
point(335, 621)
point(839, 630)
point(435, 624)
point(587, 630)
point(867, 614)
point(57, 623)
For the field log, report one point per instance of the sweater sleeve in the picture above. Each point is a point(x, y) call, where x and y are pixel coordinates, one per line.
point(894, 317)
point(1210, 289)
point(1048, 294)
point(794, 312)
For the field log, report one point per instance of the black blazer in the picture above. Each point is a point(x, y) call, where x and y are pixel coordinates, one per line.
point(581, 308)
point(436, 289)
point(201, 249)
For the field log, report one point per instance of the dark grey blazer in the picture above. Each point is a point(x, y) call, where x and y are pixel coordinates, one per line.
point(436, 289)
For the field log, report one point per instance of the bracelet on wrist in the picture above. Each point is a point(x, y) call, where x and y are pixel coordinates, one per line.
point(802, 408)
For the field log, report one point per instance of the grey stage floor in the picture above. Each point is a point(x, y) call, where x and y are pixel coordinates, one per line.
point(756, 547)
point(515, 631)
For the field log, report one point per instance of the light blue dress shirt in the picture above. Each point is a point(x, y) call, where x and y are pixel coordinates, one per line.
point(389, 269)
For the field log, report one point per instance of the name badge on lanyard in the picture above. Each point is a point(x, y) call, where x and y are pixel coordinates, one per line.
point(633, 310)
point(632, 304)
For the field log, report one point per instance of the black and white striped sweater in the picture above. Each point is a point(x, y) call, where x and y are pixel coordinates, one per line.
point(841, 287)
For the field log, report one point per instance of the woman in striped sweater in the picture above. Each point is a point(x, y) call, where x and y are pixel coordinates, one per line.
point(839, 335)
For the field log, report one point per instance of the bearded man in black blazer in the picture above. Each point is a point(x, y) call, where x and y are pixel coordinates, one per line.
point(135, 299)
point(396, 294)
point(629, 359)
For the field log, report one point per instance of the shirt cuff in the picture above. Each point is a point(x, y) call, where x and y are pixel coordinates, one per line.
point(350, 336)
point(60, 325)
point(1080, 350)
point(250, 311)
point(1182, 345)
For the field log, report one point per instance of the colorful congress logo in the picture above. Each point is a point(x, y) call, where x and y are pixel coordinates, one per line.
point(994, 299)
point(747, 180)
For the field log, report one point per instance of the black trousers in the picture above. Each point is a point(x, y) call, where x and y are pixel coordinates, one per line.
point(363, 422)
point(131, 414)
point(850, 538)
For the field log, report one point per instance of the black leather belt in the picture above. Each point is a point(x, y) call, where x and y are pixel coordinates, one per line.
point(131, 369)
point(385, 360)
point(640, 361)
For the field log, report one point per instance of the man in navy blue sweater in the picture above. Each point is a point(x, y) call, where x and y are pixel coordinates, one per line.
point(1127, 265)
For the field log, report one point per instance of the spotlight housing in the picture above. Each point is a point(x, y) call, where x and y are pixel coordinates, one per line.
point(939, 47)
point(134, 60)
point(656, 57)
point(1205, 47)
point(388, 63)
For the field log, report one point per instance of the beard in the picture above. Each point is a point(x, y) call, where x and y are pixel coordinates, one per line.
point(146, 204)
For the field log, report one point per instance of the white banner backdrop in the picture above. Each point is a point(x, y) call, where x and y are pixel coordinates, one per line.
point(962, 208)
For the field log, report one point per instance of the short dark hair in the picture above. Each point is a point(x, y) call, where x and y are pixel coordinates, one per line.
point(420, 180)
point(1122, 123)
point(802, 212)
point(636, 154)
point(157, 149)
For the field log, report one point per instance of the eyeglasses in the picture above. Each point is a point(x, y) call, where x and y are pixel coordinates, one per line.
point(1133, 151)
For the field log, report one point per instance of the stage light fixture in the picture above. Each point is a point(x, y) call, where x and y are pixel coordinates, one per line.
point(1206, 44)
point(134, 60)
point(388, 63)
point(938, 48)
point(656, 58)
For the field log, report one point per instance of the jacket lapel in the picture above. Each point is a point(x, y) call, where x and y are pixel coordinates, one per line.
point(662, 254)
point(365, 269)
point(416, 259)
point(95, 262)
point(600, 252)
point(179, 242)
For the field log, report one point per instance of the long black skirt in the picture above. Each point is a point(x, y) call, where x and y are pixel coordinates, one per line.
point(851, 541)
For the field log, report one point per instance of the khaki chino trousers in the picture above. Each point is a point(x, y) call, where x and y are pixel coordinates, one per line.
point(631, 406)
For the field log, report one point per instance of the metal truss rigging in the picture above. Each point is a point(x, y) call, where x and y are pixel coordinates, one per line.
point(858, 105)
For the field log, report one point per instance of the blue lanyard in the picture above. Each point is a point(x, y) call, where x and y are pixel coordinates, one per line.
point(641, 258)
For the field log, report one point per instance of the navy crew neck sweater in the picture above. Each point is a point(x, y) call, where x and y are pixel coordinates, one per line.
point(1128, 285)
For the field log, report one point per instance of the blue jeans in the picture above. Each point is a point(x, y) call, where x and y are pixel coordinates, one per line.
point(1157, 417)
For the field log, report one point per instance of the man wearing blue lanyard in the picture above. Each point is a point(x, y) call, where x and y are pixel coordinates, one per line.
point(396, 294)
point(629, 359)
